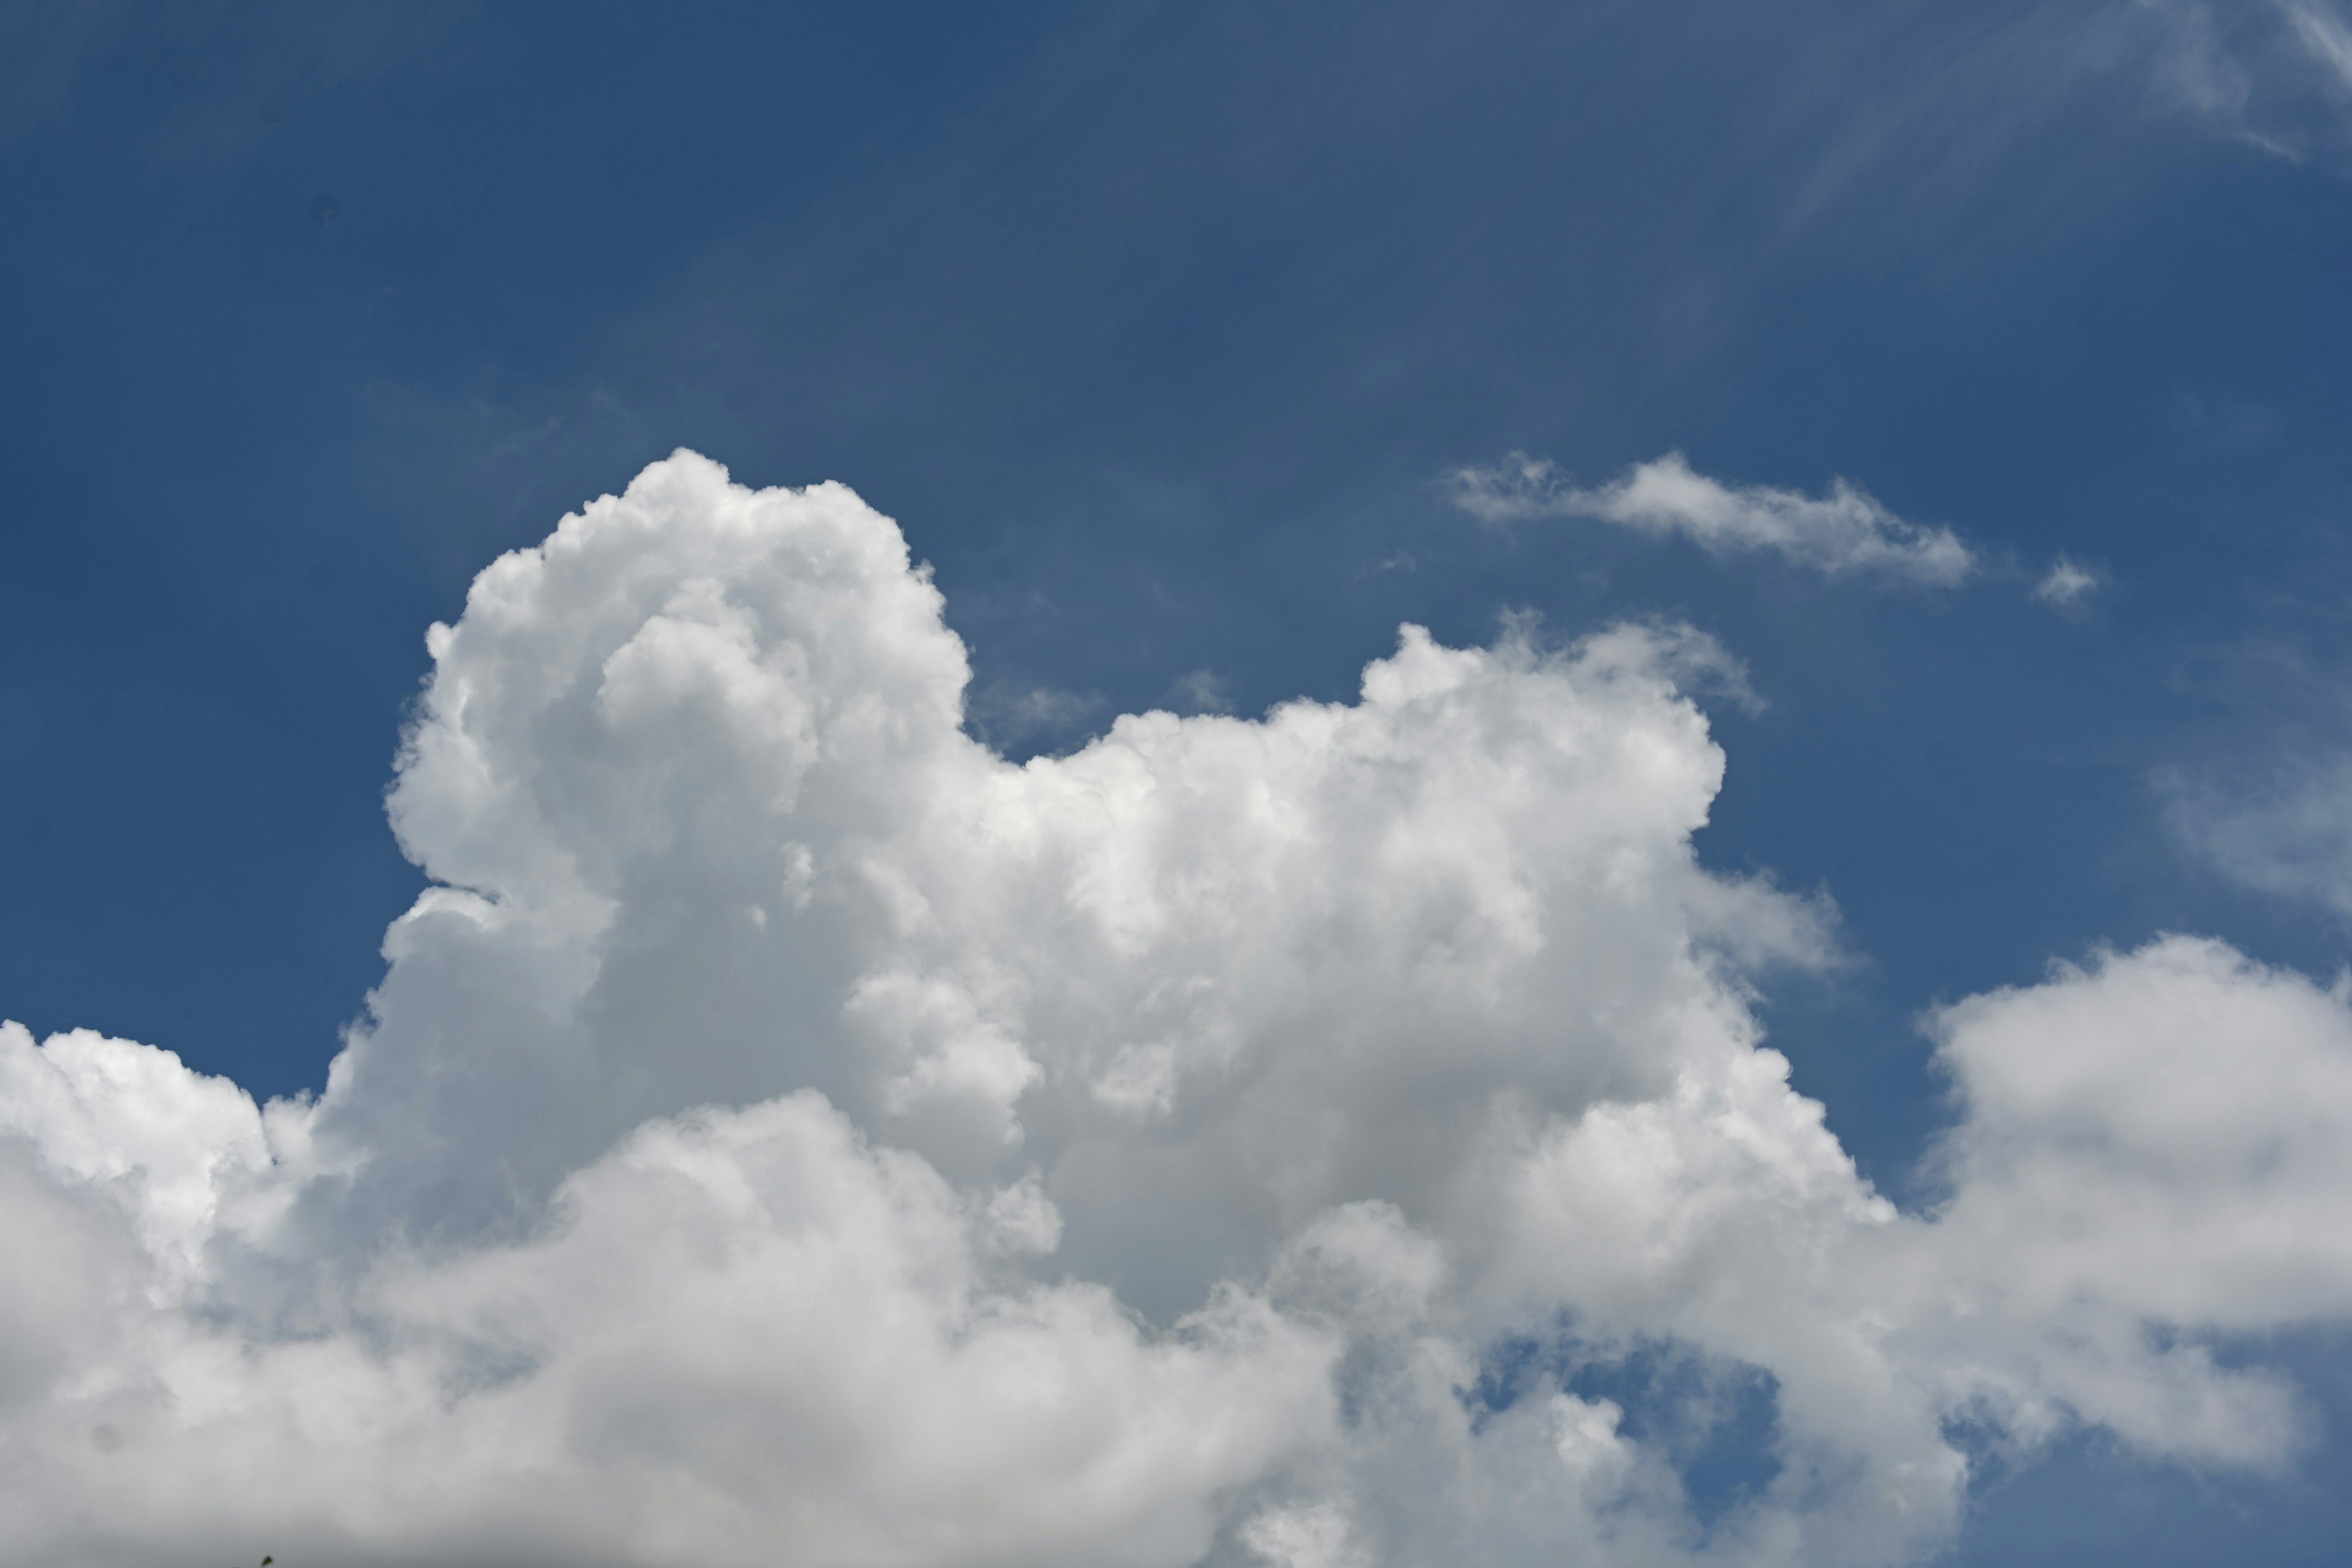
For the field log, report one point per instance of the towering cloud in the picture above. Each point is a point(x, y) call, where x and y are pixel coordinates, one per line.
point(787, 1131)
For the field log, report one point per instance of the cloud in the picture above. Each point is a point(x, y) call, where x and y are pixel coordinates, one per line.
point(1844, 532)
point(2325, 37)
point(787, 1130)
point(2287, 834)
point(2273, 74)
point(2180, 1160)
point(2066, 586)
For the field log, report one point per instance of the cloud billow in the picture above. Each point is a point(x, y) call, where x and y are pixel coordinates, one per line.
point(1842, 531)
point(788, 1130)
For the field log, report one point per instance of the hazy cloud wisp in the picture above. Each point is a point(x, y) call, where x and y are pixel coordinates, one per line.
point(2289, 834)
point(2273, 74)
point(1845, 530)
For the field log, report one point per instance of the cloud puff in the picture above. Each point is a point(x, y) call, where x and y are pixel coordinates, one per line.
point(789, 1130)
point(2180, 1160)
point(2067, 585)
point(1844, 531)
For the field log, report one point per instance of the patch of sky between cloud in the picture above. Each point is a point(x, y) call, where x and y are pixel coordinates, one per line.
point(1715, 1419)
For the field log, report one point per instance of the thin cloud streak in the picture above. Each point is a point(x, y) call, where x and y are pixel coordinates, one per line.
point(1845, 530)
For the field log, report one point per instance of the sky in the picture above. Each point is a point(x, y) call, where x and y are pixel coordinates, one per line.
point(1285, 783)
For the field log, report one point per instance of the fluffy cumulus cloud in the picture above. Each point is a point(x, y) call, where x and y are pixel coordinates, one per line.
point(789, 1131)
point(1841, 532)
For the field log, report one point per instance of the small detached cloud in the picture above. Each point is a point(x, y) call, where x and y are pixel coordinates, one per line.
point(2067, 585)
point(1845, 530)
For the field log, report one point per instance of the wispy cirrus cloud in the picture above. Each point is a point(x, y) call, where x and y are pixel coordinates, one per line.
point(1845, 530)
point(2273, 74)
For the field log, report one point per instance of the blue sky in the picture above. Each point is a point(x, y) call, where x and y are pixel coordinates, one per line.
point(1161, 331)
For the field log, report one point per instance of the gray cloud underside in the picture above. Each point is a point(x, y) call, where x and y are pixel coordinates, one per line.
point(788, 1131)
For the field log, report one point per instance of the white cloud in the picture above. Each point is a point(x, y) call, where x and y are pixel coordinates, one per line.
point(1314, 1535)
point(2181, 1161)
point(2066, 586)
point(1843, 530)
point(788, 1130)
